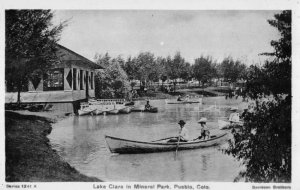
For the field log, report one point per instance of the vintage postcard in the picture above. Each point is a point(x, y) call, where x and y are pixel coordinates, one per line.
point(130, 96)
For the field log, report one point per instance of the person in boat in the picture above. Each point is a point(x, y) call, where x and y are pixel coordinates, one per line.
point(148, 106)
point(234, 117)
point(179, 98)
point(205, 134)
point(187, 98)
point(183, 133)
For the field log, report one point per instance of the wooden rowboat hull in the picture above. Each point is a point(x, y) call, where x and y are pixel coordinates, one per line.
point(124, 146)
point(114, 111)
point(184, 101)
point(125, 110)
point(85, 112)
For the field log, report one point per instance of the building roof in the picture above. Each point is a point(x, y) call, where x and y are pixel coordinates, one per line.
point(70, 57)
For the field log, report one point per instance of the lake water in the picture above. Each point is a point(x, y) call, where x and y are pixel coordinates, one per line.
point(80, 142)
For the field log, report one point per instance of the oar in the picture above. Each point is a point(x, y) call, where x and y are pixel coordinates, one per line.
point(163, 139)
point(177, 144)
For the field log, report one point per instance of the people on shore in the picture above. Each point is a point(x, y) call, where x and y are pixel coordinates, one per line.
point(205, 133)
point(183, 133)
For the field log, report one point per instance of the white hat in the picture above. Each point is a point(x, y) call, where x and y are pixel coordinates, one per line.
point(233, 108)
point(202, 120)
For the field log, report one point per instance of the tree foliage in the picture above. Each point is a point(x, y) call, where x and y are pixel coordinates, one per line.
point(232, 70)
point(264, 142)
point(111, 82)
point(203, 69)
point(30, 46)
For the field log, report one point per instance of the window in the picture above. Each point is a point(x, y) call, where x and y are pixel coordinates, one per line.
point(92, 80)
point(74, 79)
point(54, 80)
point(81, 79)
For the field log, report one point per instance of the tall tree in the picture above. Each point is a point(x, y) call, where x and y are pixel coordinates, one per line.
point(232, 70)
point(175, 67)
point(203, 69)
point(112, 81)
point(30, 46)
point(264, 141)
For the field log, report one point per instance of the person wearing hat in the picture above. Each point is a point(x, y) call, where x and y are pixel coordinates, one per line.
point(204, 130)
point(183, 133)
point(148, 106)
point(234, 117)
point(179, 98)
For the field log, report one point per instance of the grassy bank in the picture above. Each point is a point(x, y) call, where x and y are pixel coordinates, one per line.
point(29, 156)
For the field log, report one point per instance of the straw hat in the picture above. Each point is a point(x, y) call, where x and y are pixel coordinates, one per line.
point(233, 108)
point(181, 122)
point(202, 120)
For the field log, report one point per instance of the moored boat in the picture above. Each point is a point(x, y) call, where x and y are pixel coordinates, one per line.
point(187, 101)
point(85, 111)
point(124, 146)
point(227, 125)
point(138, 108)
point(98, 112)
point(152, 110)
point(113, 111)
point(125, 110)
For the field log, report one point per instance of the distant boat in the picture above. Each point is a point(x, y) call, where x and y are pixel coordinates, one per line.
point(186, 101)
point(98, 112)
point(124, 146)
point(142, 109)
point(113, 111)
point(227, 125)
point(152, 110)
point(138, 108)
point(129, 103)
point(125, 110)
point(85, 111)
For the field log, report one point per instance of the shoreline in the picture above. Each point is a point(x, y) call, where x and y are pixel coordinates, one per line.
point(29, 155)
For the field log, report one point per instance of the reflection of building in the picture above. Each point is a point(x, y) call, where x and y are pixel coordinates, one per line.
point(64, 86)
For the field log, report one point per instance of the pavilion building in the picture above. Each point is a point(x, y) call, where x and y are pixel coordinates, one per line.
point(70, 82)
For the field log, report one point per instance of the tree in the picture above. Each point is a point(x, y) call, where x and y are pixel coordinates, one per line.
point(203, 69)
point(131, 68)
point(175, 67)
point(112, 81)
point(163, 76)
point(146, 64)
point(232, 70)
point(30, 46)
point(264, 141)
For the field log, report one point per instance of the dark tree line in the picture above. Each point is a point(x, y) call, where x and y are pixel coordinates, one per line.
point(264, 142)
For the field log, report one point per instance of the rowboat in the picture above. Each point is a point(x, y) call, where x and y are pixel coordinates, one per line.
point(129, 103)
point(152, 110)
point(124, 146)
point(227, 125)
point(98, 112)
point(187, 101)
point(138, 108)
point(113, 111)
point(85, 111)
point(125, 110)
point(142, 109)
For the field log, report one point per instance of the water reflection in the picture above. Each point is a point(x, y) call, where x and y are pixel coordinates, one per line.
point(80, 141)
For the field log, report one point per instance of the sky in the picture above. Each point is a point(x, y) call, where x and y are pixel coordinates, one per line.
point(242, 35)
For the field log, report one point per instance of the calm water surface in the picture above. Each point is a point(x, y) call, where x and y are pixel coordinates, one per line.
point(80, 142)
